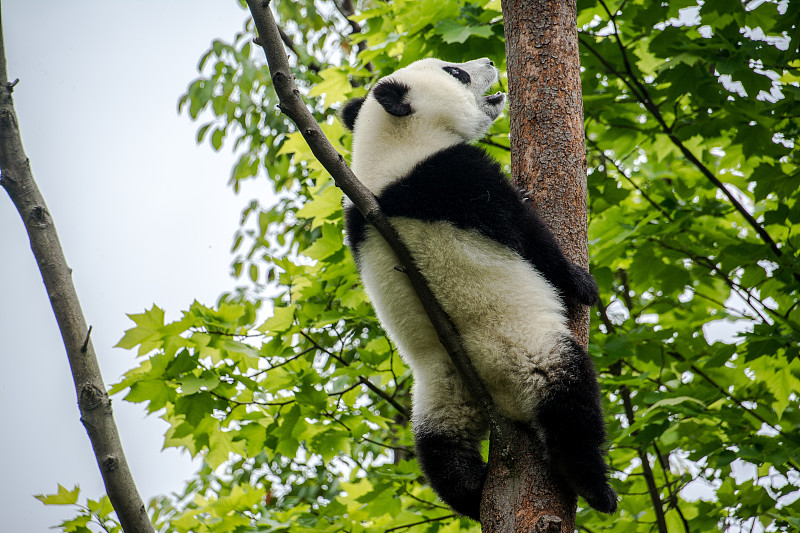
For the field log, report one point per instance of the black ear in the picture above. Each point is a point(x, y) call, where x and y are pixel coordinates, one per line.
point(390, 95)
point(350, 112)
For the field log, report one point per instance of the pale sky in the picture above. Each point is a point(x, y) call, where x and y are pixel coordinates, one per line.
point(143, 213)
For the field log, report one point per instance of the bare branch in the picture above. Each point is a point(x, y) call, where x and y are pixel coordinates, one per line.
point(93, 401)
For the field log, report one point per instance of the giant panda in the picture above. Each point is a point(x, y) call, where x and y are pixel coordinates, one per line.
point(494, 267)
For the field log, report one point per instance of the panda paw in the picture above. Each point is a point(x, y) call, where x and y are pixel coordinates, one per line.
point(584, 286)
point(604, 500)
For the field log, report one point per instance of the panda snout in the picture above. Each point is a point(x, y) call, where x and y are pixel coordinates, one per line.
point(495, 98)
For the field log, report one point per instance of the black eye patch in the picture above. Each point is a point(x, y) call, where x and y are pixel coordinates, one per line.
point(457, 73)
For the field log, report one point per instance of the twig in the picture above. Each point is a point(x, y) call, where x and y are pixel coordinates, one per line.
point(377, 390)
point(380, 392)
point(428, 521)
point(93, 401)
point(293, 106)
point(85, 345)
point(673, 494)
point(652, 488)
point(621, 172)
point(641, 93)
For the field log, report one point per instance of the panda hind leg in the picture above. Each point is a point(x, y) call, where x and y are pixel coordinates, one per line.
point(454, 468)
point(570, 418)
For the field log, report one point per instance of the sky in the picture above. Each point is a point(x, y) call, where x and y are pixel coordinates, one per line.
point(144, 215)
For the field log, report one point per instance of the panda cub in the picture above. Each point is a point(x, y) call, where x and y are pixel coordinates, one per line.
point(494, 267)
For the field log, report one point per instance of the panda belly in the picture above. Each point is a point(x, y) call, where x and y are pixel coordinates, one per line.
point(511, 320)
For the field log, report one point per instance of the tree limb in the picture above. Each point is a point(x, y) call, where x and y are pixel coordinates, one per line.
point(652, 488)
point(293, 106)
point(93, 401)
point(642, 95)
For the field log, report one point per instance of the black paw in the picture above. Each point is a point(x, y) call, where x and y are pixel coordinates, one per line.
point(585, 287)
point(604, 500)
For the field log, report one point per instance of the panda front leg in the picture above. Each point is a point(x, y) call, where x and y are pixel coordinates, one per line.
point(570, 421)
point(448, 431)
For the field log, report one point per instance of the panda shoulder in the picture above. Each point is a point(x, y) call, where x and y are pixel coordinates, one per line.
point(464, 163)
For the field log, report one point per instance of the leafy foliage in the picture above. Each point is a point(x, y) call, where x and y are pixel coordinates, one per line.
point(97, 513)
point(298, 404)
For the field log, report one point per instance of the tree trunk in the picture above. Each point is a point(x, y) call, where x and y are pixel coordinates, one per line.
point(548, 159)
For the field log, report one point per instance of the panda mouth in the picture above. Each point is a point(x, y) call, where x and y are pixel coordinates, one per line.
point(494, 99)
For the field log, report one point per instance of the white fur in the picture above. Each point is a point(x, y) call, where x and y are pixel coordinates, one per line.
point(509, 317)
point(444, 113)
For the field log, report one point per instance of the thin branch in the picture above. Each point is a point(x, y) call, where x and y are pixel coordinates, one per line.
point(430, 504)
point(293, 106)
point(428, 521)
point(739, 403)
point(621, 172)
point(489, 142)
point(287, 40)
point(673, 494)
point(652, 489)
point(374, 388)
point(403, 449)
point(705, 262)
point(390, 400)
point(347, 10)
point(641, 93)
point(93, 401)
point(254, 402)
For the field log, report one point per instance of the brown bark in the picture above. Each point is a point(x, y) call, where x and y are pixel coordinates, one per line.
point(548, 159)
point(95, 406)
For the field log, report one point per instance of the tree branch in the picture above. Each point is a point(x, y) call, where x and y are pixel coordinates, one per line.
point(641, 93)
point(652, 489)
point(293, 106)
point(93, 401)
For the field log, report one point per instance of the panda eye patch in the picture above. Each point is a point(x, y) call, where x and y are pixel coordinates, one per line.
point(457, 73)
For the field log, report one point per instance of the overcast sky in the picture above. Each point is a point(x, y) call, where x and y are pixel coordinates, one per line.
point(143, 213)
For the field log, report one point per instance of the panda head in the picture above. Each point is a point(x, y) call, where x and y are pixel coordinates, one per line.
point(417, 111)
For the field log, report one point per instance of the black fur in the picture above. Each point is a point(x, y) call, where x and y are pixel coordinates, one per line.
point(391, 95)
point(459, 74)
point(571, 419)
point(350, 112)
point(455, 470)
point(464, 186)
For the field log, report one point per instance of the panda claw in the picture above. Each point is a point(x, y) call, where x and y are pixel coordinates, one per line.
point(605, 501)
point(585, 287)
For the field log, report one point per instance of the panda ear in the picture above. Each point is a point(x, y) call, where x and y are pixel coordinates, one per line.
point(350, 112)
point(390, 94)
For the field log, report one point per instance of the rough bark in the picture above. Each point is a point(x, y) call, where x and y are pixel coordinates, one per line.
point(93, 401)
point(548, 159)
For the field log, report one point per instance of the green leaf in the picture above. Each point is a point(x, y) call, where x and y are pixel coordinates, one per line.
point(322, 206)
point(281, 320)
point(453, 32)
point(192, 384)
point(326, 245)
point(62, 497)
